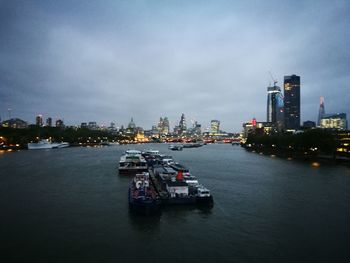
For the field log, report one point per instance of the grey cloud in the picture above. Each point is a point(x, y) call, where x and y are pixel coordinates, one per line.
point(110, 61)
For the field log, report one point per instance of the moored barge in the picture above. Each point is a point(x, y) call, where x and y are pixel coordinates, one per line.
point(132, 162)
point(143, 198)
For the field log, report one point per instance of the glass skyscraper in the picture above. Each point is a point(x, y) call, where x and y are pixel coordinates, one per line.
point(214, 127)
point(292, 102)
point(321, 111)
point(275, 106)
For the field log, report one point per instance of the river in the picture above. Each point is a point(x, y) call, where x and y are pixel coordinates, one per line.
point(70, 205)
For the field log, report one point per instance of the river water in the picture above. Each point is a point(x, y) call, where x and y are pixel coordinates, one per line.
point(70, 205)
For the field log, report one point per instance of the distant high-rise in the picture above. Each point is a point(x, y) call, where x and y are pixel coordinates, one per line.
point(166, 125)
point(49, 122)
point(214, 127)
point(275, 106)
point(292, 102)
point(92, 125)
point(163, 126)
point(39, 120)
point(59, 123)
point(182, 124)
point(321, 111)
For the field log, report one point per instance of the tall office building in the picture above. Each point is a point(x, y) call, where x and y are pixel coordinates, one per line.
point(292, 102)
point(321, 111)
point(163, 126)
point(166, 125)
point(275, 106)
point(59, 123)
point(214, 127)
point(39, 120)
point(182, 124)
point(49, 122)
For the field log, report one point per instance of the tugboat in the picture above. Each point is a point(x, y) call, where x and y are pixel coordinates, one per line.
point(203, 196)
point(143, 197)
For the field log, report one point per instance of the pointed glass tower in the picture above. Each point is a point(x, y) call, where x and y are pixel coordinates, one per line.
point(321, 111)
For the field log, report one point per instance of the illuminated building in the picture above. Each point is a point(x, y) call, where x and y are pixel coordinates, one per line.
point(15, 124)
point(343, 145)
point(39, 120)
point(292, 102)
point(321, 111)
point(140, 136)
point(335, 121)
point(214, 127)
point(275, 106)
point(253, 127)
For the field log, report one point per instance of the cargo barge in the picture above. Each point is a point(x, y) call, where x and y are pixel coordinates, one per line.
point(132, 162)
point(143, 198)
point(165, 183)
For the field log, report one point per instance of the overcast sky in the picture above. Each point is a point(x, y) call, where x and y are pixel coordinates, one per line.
point(112, 60)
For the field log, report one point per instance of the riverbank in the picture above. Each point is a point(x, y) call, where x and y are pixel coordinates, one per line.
point(290, 154)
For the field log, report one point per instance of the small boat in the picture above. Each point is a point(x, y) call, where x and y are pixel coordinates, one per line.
point(46, 144)
point(192, 145)
point(132, 162)
point(204, 196)
point(176, 147)
point(143, 198)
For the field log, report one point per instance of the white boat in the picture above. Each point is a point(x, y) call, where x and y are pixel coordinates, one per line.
point(132, 162)
point(46, 144)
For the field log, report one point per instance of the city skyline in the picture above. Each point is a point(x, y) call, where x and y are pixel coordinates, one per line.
point(115, 60)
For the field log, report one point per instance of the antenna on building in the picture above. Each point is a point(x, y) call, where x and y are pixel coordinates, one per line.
point(273, 79)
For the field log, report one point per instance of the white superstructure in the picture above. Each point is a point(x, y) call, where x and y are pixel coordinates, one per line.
point(46, 144)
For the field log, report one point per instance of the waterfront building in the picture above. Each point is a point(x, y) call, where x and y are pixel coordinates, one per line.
point(254, 126)
point(49, 122)
point(321, 111)
point(39, 120)
point(335, 121)
point(275, 106)
point(15, 123)
point(292, 102)
point(214, 127)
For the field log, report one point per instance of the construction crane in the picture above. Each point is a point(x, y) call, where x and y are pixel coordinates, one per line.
point(273, 79)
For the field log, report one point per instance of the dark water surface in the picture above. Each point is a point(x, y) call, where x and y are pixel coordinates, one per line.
point(70, 205)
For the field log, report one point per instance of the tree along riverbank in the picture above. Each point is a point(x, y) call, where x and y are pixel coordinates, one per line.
point(19, 138)
point(315, 144)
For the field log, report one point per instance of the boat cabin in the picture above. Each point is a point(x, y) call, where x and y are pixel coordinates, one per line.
point(177, 189)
